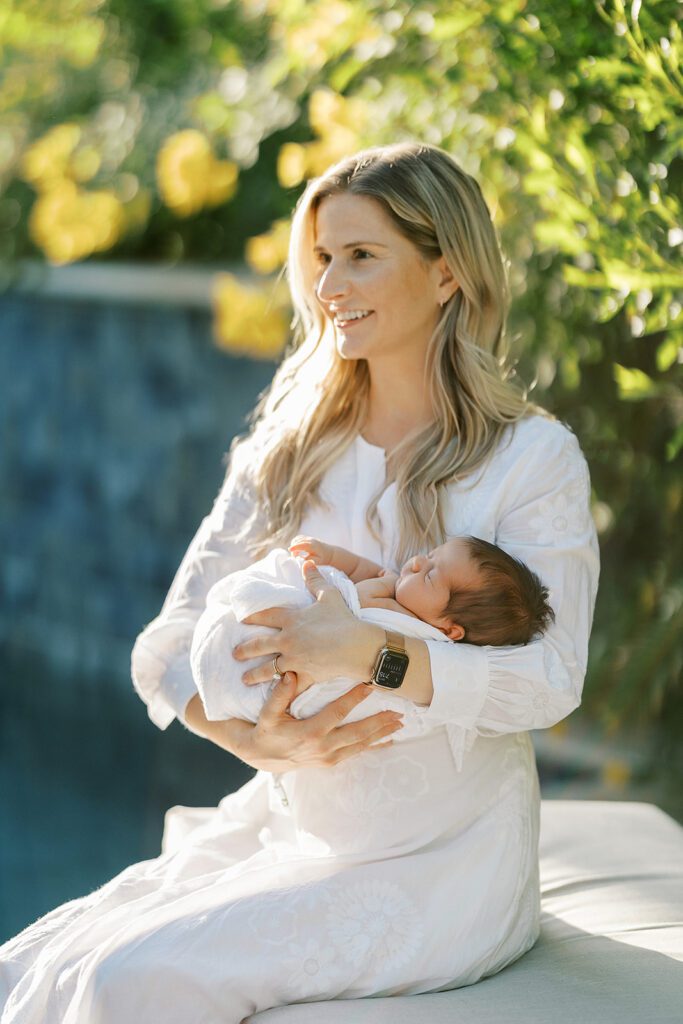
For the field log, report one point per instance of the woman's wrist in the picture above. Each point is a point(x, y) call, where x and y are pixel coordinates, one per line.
point(231, 734)
point(365, 645)
point(417, 684)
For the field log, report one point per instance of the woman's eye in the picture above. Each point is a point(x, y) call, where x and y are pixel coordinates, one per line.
point(363, 251)
point(321, 257)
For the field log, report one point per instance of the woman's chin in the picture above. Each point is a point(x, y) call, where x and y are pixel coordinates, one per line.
point(347, 349)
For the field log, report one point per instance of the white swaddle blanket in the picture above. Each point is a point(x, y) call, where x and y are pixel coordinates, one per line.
point(277, 581)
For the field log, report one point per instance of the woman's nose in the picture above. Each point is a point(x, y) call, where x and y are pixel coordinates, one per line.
point(332, 285)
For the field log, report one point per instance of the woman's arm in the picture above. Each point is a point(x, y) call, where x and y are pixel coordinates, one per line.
point(161, 660)
point(280, 743)
point(544, 518)
point(326, 640)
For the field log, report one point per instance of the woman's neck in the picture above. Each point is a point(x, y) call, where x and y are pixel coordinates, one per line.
point(396, 408)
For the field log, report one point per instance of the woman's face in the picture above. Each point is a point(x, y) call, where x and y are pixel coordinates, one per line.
point(365, 265)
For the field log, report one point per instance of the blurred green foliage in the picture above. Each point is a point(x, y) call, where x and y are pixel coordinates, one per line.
point(569, 114)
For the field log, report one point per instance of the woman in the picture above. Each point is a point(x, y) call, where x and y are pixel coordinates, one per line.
point(348, 866)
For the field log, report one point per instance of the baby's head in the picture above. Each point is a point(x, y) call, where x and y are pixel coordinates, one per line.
point(474, 591)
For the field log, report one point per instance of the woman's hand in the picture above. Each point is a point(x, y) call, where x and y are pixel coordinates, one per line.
point(280, 743)
point(318, 643)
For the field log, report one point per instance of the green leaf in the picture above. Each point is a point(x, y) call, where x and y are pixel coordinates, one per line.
point(564, 237)
point(675, 444)
point(454, 25)
point(667, 354)
point(633, 385)
point(620, 275)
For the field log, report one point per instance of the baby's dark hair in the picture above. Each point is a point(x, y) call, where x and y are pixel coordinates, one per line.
point(510, 606)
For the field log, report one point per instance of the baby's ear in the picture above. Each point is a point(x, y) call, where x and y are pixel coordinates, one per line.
point(453, 631)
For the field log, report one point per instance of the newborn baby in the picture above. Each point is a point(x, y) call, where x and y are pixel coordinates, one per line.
point(465, 589)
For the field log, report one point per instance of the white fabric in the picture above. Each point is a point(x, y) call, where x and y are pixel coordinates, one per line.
point(611, 944)
point(391, 873)
point(277, 581)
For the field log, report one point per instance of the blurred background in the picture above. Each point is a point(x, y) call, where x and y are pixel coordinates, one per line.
point(150, 157)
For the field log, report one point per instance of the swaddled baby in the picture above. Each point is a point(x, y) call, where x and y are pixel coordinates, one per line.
point(465, 589)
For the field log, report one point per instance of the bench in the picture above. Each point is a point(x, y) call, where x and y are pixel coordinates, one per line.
point(611, 941)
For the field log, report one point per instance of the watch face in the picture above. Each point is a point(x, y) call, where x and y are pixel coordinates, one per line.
point(391, 669)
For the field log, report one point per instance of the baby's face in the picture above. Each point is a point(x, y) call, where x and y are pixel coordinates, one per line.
point(426, 581)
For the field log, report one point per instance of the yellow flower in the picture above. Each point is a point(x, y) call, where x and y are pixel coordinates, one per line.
point(340, 124)
point(328, 112)
point(268, 252)
point(85, 163)
point(47, 160)
point(249, 321)
point(189, 175)
point(291, 164)
point(327, 28)
point(69, 224)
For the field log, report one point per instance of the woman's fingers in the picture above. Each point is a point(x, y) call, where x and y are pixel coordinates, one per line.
point(368, 730)
point(257, 647)
point(265, 672)
point(315, 581)
point(344, 753)
point(279, 700)
point(364, 731)
point(274, 617)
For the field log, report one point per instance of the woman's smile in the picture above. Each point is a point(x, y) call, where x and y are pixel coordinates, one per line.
point(372, 282)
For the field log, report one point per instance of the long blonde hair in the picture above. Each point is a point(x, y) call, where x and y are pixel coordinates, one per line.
point(317, 401)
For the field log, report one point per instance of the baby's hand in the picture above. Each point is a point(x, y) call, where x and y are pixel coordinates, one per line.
point(317, 550)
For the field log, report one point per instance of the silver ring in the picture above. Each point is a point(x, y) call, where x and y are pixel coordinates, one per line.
point(276, 670)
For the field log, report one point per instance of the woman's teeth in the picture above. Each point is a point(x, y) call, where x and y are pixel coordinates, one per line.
point(356, 314)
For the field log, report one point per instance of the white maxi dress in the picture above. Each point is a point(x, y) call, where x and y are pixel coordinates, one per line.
point(406, 869)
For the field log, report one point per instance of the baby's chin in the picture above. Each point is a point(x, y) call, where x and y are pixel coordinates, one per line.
point(410, 607)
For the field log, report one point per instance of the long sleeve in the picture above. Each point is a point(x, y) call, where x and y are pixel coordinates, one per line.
point(543, 518)
point(160, 661)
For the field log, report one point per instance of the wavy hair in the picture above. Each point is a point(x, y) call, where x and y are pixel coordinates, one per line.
point(317, 401)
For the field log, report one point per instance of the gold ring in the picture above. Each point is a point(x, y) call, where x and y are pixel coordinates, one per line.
point(276, 670)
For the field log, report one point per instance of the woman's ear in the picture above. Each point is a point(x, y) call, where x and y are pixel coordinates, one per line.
point(448, 285)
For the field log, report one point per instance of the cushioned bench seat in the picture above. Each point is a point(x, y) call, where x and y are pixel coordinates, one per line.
point(611, 944)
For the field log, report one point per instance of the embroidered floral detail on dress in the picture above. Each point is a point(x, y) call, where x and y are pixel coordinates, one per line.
point(271, 921)
point(557, 517)
point(372, 923)
point(404, 779)
point(310, 967)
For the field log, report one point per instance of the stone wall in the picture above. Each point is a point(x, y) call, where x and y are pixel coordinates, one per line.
point(114, 418)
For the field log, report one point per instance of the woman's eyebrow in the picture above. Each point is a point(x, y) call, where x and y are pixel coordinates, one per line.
point(350, 245)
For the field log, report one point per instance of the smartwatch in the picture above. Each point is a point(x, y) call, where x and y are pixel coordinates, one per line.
point(392, 663)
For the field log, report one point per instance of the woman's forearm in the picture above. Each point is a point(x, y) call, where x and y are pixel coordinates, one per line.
point(417, 684)
point(229, 734)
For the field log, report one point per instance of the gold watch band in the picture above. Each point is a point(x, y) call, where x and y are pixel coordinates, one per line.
point(395, 640)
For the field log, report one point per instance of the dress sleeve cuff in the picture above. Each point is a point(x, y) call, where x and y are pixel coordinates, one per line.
point(460, 678)
point(179, 689)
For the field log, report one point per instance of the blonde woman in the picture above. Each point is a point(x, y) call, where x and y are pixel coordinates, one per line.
point(350, 866)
